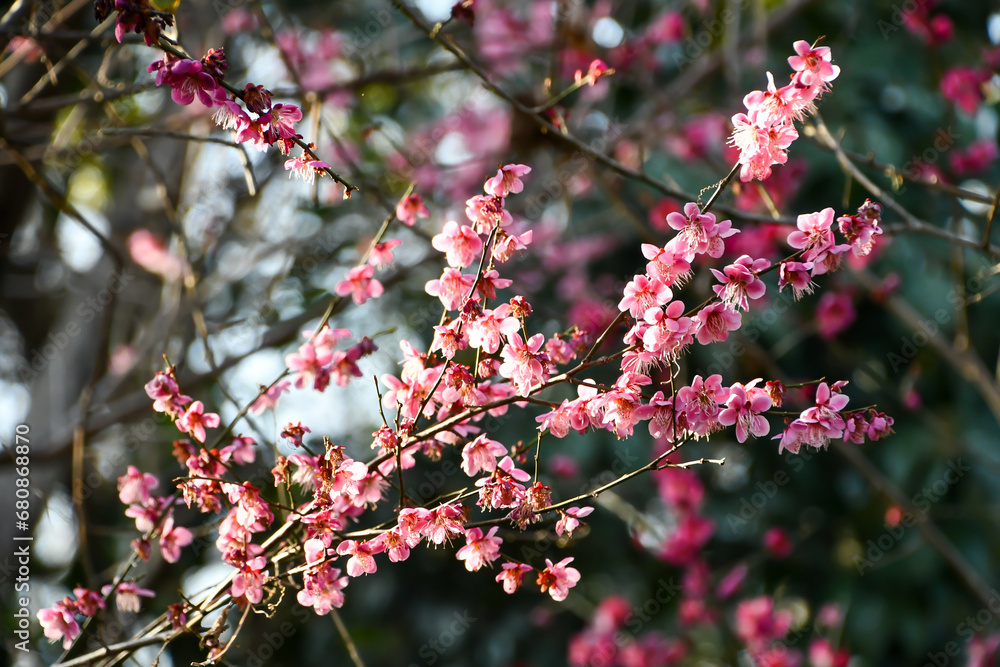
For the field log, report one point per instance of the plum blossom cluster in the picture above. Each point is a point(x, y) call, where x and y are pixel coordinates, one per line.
point(134, 16)
point(317, 361)
point(487, 354)
point(259, 122)
point(664, 329)
point(614, 636)
point(764, 133)
point(61, 621)
point(168, 399)
point(826, 420)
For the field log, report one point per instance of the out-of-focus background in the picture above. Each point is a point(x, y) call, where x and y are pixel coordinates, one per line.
point(901, 534)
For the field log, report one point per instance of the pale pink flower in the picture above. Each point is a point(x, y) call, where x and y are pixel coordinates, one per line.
point(489, 329)
point(127, 595)
point(461, 245)
point(231, 116)
point(660, 413)
point(87, 601)
point(304, 168)
point(557, 422)
point(512, 576)
point(392, 542)
point(310, 367)
point(248, 582)
point(381, 254)
point(240, 451)
point(814, 235)
point(360, 284)
point(486, 213)
point(188, 80)
point(715, 322)
point(503, 487)
point(251, 512)
point(507, 180)
point(490, 282)
point(479, 549)
point(507, 244)
point(798, 275)
point(444, 523)
point(860, 230)
point(346, 477)
point(570, 519)
point(269, 399)
point(195, 420)
point(151, 254)
point(812, 64)
point(558, 578)
point(172, 538)
point(694, 226)
point(166, 394)
point(701, 402)
point(620, 405)
point(411, 208)
point(362, 560)
point(523, 362)
point(879, 426)
point(641, 294)
point(761, 144)
point(740, 282)
point(481, 455)
point(448, 338)
point(322, 589)
point(295, 433)
point(134, 486)
point(778, 106)
point(669, 331)
point(59, 622)
point(817, 425)
point(452, 288)
point(669, 264)
point(744, 407)
point(411, 522)
point(281, 119)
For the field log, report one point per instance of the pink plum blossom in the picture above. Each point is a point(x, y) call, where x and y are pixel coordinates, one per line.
point(360, 284)
point(461, 245)
point(195, 420)
point(507, 180)
point(558, 578)
point(744, 407)
point(479, 549)
point(411, 208)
